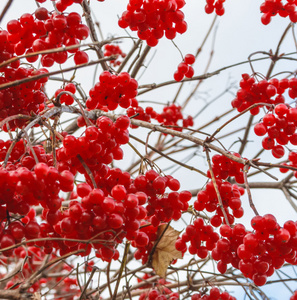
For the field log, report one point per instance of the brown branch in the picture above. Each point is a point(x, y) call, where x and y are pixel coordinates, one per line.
point(5, 9)
point(36, 77)
point(129, 55)
point(168, 157)
point(35, 275)
point(237, 116)
point(16, 295)
point(123, 264)
point(199, 77)
point(246, 133)
point(87, 12)
point(245, 171)
point(140, 61)
point(288, 197)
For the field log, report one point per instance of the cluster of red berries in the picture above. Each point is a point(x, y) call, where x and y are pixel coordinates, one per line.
point(214, 294)
point(202, 239)
point(16, 231)
point(271, 8)
point(150, 231)
point(159, 293)
point(61, 5)
point(162, 207)
point(99, 146)
point(117, 204)
point(47, 31)
point(223, 167)
point(171, 115)
point(270, 92)
point(22, 188)
point(292, 163)
point(137, 112)
point(280, 127)
point(215, 6)
point(108, 218)
point(185, 69)
point(225, 250)
point(257, 254)
point(64, 97)
point(230, 196)
point(110, 49)
point(112, 91)
point(25, 99)
point(22, 156)
point(151, 19)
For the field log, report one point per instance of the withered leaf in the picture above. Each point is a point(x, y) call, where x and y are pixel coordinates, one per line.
point(36, 296)
point(165, 251)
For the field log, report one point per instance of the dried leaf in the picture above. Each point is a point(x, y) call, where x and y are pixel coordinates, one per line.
point(36, 296)
point(165, 251)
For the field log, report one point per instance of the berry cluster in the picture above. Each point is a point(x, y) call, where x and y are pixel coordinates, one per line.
point(257, 254)
point(270, 92)
point(112, 91)
point(159, 293)
point(110, 49)
point(162, 207)
point(137, 112)
point(66, 98)
point(111, 212)
point(171, 115)
point(99, 146)
point(147, 231)
point(215, 5)
point(271, 8)
point(16, 231)
point(151, 19)
point(230, 196)
point(27, 35)
point(106, 219)
point(223, 167)
point(280, 127)
point(61, 5)
point(214, 294)
point(185, 69)
point(47, 31)
point(22, 188)
point(24, 99)
point(202, 239)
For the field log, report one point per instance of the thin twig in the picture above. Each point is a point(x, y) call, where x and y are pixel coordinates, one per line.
point(245, 171)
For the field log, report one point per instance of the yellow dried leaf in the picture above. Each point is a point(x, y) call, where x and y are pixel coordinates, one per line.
point(36, 296)
point(165, 251)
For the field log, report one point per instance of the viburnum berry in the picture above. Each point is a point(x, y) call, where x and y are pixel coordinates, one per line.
point(272, 8)
point(184, 69)
point(216, 6)
point(154, 20)
point(81, 57)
